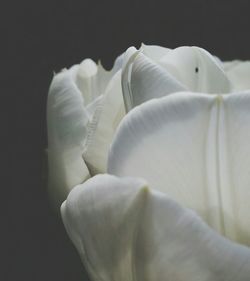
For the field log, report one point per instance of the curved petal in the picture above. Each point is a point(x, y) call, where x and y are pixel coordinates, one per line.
point(125, 231)
point(146, 80)
point(66, 121)
point(187, 145)
point(102, 128)
point(198, 70)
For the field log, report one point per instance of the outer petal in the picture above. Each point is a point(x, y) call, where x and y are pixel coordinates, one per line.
point(67, 120)
point(191, 146)
point(125, 231)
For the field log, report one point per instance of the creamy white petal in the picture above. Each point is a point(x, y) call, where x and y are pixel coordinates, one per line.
point(186, 145)
point(67, 120)
point(197, 69)
point(102, 128)
point(238, 74)
point(125, 231)
point(146, 80)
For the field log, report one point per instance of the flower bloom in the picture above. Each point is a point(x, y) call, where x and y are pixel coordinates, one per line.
point(171, 127)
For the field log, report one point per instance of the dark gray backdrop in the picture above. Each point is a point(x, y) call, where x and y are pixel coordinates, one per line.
point(44, 36)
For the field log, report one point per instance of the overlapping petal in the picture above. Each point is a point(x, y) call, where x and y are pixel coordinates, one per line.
point(147, 75)
point(125, 231)
point(194, 148)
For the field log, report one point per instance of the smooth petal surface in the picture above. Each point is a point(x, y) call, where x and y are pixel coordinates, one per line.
point(194, 148)
point(125, 231)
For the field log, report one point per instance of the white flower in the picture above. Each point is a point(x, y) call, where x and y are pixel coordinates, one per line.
point(186, 135)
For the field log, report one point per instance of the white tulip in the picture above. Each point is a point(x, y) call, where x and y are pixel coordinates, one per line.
point(85, 104)
point(185, 135)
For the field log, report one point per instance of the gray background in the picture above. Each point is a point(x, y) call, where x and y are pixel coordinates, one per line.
point(40, 37)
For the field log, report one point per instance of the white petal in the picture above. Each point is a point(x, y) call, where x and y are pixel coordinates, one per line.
point(107, 117)
point(198, 70)
point(182, 145)
point(125, 231)
point(67, 121)
point(238, 74)
point(143, 80)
